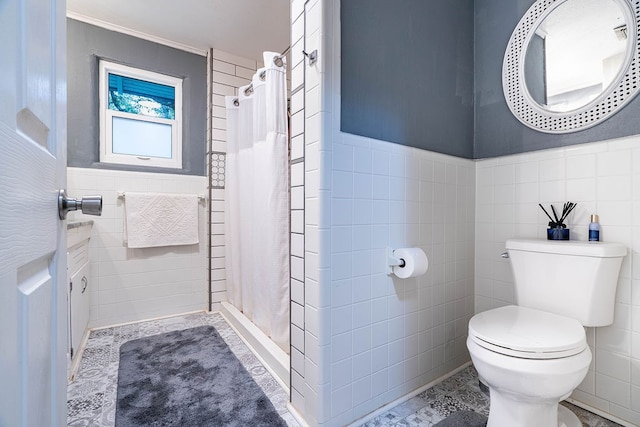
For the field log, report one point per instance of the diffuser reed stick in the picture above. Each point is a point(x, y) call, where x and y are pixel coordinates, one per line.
point(558, 221)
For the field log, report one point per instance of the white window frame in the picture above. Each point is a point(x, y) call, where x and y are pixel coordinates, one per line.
point(106, 118)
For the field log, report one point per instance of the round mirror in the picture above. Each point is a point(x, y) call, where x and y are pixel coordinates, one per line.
point(578, 65)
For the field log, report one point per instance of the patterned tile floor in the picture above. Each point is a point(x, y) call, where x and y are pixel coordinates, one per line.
point(458, 392)
point(91, 397)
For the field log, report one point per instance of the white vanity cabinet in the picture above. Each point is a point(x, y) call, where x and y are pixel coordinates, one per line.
point(78, 235)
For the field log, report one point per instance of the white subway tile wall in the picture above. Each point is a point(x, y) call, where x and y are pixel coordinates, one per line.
point(135, 284)
point(298, 235)
point(603, 178)
point(218, 272)
point(370, 338)
point(384, 337)
point(228, 73)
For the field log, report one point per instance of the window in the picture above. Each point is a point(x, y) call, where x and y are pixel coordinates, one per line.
point(140, 117)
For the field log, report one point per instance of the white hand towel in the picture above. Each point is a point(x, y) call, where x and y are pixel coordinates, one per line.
point(160, 219)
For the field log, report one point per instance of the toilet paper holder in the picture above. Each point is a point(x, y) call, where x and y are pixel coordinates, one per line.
point(392, 261)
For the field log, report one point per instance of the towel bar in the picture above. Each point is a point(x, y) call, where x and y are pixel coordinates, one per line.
point(121, 195)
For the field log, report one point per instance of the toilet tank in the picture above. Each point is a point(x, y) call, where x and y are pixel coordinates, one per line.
point(571, 278)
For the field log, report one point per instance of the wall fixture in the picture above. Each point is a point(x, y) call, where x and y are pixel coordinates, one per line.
point(313, 56)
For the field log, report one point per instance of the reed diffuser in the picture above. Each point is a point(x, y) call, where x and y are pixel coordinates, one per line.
point(557, 228)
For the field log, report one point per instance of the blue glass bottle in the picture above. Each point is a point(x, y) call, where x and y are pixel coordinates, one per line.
point(594, 229)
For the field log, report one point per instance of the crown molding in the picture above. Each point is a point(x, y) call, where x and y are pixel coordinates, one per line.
point(134, 33)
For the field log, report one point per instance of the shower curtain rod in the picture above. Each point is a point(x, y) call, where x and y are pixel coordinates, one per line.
point(279, 63)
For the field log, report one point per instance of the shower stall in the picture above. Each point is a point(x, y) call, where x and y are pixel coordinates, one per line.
point(256, 214)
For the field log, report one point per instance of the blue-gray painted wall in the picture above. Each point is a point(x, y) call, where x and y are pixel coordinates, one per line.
point(407, 72)
point(86, 44)
point(413, 70)
point(497, 132)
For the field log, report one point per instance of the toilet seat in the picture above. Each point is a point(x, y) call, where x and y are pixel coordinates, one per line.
point(527, 333)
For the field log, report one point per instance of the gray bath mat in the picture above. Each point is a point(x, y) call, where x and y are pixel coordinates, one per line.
point(463, 419)
point(188, 378)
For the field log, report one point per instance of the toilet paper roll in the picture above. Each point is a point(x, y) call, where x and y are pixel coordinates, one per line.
point(415, 262)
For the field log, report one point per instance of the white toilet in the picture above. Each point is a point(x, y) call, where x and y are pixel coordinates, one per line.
point(535, 354)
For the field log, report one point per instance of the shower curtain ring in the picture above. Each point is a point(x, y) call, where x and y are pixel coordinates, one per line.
point(313, 56)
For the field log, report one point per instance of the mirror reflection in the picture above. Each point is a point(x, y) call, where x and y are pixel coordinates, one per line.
point(575, 54)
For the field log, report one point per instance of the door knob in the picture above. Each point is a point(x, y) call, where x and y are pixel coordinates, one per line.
point(89, 205)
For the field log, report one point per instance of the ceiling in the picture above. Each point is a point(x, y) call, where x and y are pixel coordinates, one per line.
point(244, 28)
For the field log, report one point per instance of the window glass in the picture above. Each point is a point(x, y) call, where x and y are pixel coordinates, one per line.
point(140, 138)
point(135, 96)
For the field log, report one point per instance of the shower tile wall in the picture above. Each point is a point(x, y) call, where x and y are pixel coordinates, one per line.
point(603, 178)
point(134, 284)
point(297, 109)
point(228, 72)
point(369, 338)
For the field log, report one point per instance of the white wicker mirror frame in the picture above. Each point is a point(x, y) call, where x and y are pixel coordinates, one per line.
point(530, 113)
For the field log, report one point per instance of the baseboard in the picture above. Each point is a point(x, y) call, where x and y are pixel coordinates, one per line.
point(133, 322)
point(600, 413)
point(77, 356)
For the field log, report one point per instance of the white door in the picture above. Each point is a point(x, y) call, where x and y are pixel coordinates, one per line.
point(33, 338)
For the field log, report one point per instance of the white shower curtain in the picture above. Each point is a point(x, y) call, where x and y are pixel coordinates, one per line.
point(257, 202)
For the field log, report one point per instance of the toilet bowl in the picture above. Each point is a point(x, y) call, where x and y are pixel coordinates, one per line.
point(533, 355)
point(531, 360)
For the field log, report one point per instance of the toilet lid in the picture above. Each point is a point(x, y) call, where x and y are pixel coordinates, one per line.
point(527, 333)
